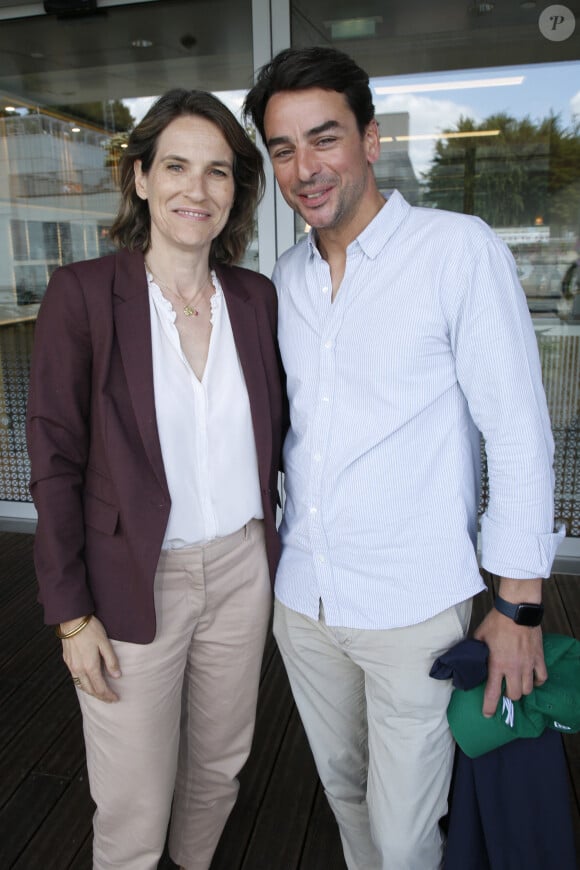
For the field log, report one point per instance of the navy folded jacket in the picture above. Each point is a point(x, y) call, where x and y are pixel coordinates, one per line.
point(510, 808)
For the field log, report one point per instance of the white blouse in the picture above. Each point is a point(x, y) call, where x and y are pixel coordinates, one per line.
point(205, 429)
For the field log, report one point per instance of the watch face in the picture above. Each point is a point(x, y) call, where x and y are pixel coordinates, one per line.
point(529, 614)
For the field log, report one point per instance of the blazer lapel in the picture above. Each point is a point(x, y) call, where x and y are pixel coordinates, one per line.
point(133, 328)
point(247, 338)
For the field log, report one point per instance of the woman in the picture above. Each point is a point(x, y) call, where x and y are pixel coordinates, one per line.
point(154, 426)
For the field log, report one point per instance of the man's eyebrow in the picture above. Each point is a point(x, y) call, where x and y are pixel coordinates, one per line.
point(328, 125)
point(314, 131)
point(278, 140)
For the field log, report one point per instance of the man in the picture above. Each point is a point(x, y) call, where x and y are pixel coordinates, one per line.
point(404, 334)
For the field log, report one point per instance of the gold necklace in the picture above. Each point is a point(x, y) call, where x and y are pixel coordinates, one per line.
point(189, 309)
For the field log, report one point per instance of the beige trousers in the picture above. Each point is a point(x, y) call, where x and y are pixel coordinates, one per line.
point(184, 723)
point(376, 723)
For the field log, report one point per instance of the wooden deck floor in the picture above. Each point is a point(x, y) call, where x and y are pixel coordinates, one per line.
point(281, 820)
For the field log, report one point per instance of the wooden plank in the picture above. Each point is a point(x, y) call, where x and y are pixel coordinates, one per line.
point(569, 589)
point(29, 658)
point(64, 831)
point(16, 564)
point(555, 617)
point(270, 650)
point(281, 826)
point(83, 860)
point(66, 756)
point(21, 817)
point(275, 707)
point(322, 849)
point(27, 746)
point(20, 620)
point(21, 704)
point(167, 864)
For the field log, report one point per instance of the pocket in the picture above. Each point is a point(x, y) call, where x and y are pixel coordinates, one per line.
point(459, 616)
point(463, 610)
point(99, 515)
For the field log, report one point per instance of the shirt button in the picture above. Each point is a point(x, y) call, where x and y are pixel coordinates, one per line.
point(325, 289)
point(313, 510)
point(317, 457)
point(321, 558)
point(328, 345)
point(326, 399)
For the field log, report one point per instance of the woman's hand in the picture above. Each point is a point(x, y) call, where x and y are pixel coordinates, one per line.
point(88, 656)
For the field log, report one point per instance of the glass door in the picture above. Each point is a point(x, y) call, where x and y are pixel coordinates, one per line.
point(479, 112)
point(73, 83)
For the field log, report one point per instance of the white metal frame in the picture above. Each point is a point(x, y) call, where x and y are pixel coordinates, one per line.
point(271, 34)
point(17, 516)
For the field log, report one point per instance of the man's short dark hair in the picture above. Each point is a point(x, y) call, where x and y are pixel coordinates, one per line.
point(296, 69)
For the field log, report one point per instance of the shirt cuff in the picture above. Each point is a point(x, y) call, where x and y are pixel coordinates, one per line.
point(517, 554)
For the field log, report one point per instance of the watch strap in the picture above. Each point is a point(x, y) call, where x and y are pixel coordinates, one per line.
point(523, 613)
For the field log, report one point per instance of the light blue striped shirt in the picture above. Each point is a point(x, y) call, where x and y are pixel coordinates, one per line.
point(428, 342)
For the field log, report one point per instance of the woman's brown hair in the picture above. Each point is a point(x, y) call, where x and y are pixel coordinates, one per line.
point(132, 226)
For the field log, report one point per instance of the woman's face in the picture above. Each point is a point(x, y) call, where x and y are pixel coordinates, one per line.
point(190, 185)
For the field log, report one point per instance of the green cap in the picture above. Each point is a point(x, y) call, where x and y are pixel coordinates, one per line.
point(555, 704)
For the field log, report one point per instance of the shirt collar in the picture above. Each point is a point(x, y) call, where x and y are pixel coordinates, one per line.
point(377, 233)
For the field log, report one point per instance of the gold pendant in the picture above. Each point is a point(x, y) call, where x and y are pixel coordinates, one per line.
point(189, 311)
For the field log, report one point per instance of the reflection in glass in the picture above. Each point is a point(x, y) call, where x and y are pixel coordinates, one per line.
point(449, 141)
point(503, 143)
point(70, 91)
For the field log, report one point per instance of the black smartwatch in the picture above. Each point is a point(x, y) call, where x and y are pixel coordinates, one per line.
point(522, 614)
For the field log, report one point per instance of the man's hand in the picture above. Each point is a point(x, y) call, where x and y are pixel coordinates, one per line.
point(87, 655)
point(516, 652)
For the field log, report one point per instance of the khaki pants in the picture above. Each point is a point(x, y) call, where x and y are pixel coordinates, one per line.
point(377, 726)
point(184, 723)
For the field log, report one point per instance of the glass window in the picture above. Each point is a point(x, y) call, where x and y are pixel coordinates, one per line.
point(19, 239)
point(479, 112)
point(49, 248)
point(71, 88)
point(491, 142)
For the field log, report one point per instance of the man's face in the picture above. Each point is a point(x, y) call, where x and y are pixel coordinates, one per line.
point(321, 161)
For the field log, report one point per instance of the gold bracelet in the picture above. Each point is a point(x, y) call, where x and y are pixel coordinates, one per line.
point(64, 635)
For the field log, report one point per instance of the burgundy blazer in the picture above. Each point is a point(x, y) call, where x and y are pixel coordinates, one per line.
point(97, 475)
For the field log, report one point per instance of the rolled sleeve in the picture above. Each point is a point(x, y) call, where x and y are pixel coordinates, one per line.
point(519, 555)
